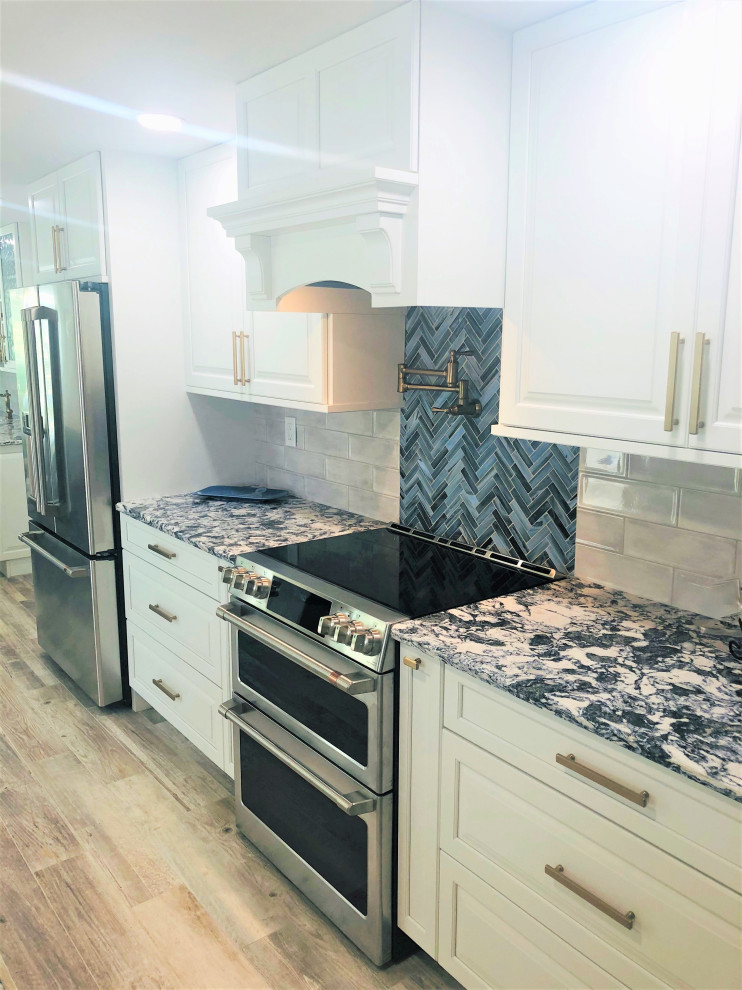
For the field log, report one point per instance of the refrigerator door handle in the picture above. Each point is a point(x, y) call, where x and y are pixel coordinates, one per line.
point(44, 386)
point(35, 427)
point(71, 572)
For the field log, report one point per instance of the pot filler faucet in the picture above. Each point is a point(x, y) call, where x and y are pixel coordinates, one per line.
point(464, 405)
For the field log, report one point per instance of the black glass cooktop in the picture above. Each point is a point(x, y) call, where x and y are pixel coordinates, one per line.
point(404, 572)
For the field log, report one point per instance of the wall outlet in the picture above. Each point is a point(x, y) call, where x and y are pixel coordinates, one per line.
point(290, 431)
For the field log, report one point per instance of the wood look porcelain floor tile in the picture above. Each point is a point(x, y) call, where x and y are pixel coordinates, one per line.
point(122, 866)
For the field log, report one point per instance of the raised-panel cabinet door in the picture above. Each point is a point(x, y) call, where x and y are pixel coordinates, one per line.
point(214, 274)
point(278, 116)
point(81, 239)
point(288, 354)
point(44, 218)
point(609, 129)
point(715, 416)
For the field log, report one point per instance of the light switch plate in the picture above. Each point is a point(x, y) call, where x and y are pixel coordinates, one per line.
point(290, 431)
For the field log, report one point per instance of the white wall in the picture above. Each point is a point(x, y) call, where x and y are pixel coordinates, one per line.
point(169, 442)
point(665, 530)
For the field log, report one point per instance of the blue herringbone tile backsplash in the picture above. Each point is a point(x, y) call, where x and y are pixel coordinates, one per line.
point(457, 479)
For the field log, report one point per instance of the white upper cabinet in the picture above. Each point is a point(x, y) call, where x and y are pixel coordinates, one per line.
point(67, 229)
point(213, 274)
point(379, 159)
point(352, 99)
point(623, 158)
point(288, 352)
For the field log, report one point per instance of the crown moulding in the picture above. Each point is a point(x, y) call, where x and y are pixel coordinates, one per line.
point(373, 201)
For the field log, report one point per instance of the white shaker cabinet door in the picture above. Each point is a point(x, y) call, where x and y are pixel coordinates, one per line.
point(610, 112)
point(288, 357)
point(214, 276)
point(42, 210)
point(81, 238)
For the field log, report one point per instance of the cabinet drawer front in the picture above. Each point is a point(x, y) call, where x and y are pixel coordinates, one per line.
point(196, 567)
point(183, 619)
point(487, 941)
point(495, 818)
point(156, 674)
point(690, 821)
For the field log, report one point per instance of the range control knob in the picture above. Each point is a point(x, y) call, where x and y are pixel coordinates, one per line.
point(258, 587)
point(328, 623)
point(239, 578)
point(345, 631)
point(368, 642)
point(227, 574)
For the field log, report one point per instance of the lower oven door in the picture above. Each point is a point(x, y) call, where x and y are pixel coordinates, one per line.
point(340, 708)
point(330, 837)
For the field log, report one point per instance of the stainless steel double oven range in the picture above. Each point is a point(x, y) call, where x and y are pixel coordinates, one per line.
point(314, 707)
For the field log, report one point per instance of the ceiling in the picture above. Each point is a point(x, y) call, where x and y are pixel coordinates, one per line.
point(75, 72)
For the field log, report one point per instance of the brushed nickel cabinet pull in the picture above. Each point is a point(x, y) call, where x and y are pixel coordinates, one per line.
point(570, 761)
point(167, 554)
point(626, 919)
point(234, 357)
point(672, 373)
point(694, 424)
point(413, 662)
point(172, 695)
point(163, 613)
point(243, 338)
point(62, 268)
point(54, 250)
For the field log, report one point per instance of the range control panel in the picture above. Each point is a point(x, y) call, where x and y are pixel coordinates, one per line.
point(349, 631)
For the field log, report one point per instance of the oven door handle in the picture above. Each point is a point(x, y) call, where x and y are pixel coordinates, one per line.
point(355, 803)
point(350, 683)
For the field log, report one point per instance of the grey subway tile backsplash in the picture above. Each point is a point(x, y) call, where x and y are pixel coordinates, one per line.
point(711, 512)
point(322, 466)
point(702, 546)
point(639, 577)
point(655, 503)
point(598, 529)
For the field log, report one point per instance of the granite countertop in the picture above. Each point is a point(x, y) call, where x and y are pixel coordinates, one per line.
point(10, 433)
point(655, 679)
point(226, 529)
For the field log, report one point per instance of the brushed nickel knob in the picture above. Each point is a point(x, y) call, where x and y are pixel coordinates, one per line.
point(368, 642)
point(345, 632)
point(328, 623)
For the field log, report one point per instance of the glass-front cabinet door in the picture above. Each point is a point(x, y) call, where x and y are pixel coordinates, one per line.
point(10, 278)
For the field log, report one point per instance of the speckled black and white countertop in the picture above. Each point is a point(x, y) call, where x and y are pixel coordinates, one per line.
point(655, 679)
point(227, 529)
point(10, 433)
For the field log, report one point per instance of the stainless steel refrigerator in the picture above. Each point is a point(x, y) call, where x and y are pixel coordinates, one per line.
point(64, 365)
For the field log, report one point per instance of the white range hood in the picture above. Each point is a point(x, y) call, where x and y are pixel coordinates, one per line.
point(348, 225)
point(379, 159)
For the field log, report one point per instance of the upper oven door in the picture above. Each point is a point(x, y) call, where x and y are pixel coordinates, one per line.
point(341, 709)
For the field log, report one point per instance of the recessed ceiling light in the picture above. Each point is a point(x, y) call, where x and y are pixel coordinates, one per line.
point(160, 121)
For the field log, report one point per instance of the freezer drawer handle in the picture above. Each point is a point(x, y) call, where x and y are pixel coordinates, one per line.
point(557, 873)
point(167, 554)
point(570, 762)
point(163, 613)
point(350, 683)
point(72, 572)
point(172, 695)
point(355, 803)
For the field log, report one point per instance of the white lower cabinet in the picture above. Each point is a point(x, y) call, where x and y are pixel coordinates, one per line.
point(15, 559)
point(488, 941)
point(179, 693)
point(544, 878)
point(179, 660)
